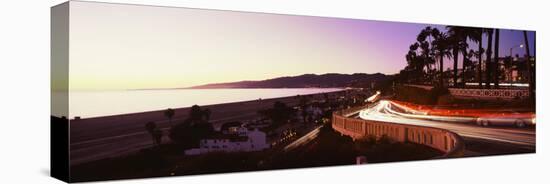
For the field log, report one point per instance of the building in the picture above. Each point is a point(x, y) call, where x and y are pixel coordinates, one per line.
point(243, 141)
point(514, 70)
point(234, 128)
point(511, 70)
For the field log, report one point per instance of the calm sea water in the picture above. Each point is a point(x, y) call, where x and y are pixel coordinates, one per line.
point(102, 103)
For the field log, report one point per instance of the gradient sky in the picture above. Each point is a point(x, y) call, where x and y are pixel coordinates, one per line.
point(114, 46)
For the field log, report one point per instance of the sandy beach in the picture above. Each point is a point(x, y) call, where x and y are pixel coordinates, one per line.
point(110, 136)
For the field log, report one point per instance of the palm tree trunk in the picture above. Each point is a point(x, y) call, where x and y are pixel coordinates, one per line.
point(488, 62)
point(529, 75)
point(455, 66)
point(479, 58)
point(464, 68)
point(441, 69)
point(496, 66)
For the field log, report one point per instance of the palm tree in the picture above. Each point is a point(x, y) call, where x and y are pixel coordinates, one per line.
point(530, 77)
point(151, 127)
point(157, 136)
point(467, 64)
point(424, 39)
point(198, 115)
point(206, 114)
point(474, 35)
point(416, 63)
point(169, 113)
point(479, 39)
point(488, 54)
point(457, 38)
point(495, 64)
point(441, 48)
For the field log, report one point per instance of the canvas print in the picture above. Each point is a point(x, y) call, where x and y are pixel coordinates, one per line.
point(149, 91)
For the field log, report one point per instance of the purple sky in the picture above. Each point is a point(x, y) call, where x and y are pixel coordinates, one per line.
point(394, 38)
point(161, 47)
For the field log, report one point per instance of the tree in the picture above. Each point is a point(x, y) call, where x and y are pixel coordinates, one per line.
point(169, 113)
point(155, 133)
point(188, 135)
point(279, 113)
point(303, 106)
point(530, 71)
point(480, 51)
point(489, 60)
point(441, 48)
point(468, 67)
point(460, 37)
point(206, 114)
point(197, 115)
point(196, 127)
point(474, 35)
point(495, 63)
point(458, 41)
point(416, 63)
point(424, 41)
point(157, 136)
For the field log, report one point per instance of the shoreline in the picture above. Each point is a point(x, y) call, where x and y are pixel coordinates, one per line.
point(110, 136)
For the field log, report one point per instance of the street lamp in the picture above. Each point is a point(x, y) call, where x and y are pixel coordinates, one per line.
point(517, 46)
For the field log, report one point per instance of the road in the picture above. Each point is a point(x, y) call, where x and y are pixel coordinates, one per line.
point(507, 139)
point(303, 140)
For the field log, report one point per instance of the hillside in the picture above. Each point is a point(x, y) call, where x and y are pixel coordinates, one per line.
point(305, 81)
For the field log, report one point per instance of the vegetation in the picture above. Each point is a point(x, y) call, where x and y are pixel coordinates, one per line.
point(155, 133)
point(279, 114)
point(421, 96)
point(188, 133)
point(330, 149)
point(149, 162)
point(303, 106)
point(432, 46)
point(530, 70)
point(169, 113)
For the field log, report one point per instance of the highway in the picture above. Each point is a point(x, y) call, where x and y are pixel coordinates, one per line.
point(511, 137)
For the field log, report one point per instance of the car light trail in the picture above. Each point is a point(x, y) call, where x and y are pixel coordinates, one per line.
point(388, 111)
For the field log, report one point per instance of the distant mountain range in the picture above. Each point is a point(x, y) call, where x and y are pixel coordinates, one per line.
point(305, 81)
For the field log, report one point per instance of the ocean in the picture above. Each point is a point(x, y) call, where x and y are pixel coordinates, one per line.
point(88, 104)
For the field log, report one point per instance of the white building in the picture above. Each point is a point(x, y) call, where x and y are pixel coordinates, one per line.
point(246, 141)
